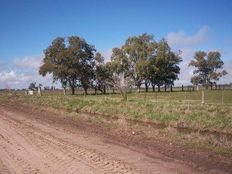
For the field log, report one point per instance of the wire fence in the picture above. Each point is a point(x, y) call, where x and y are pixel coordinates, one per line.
point(194, 97)
point(222, 95)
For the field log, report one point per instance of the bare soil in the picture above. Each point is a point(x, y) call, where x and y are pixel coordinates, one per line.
point(37, 140)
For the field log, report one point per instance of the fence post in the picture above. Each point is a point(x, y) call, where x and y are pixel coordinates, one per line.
point(39, 91)
point(203, 97)
point(222, 96)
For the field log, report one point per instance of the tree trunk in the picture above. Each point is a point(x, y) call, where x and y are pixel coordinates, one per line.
point(124, 96)
point(104, 89)
point(182, 87)
point(158, 87)
point(95, 90)
point(211, 86)
point(123, 93)
point(72, 84)
point(165, 88)
point(85, 90)
point(153, 88)
point(64, 91)
point(138, 89)
point(171, 88)
point(146, 87)
point(73, 90)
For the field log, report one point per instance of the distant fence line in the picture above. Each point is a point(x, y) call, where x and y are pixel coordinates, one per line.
point(143, 89)
point(167, 88)
point(181, 94)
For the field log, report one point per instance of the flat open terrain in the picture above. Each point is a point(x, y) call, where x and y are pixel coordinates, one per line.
point(31, 146)
point(34, 140)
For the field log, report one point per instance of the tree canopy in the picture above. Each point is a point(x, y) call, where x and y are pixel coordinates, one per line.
point(33, 86)
point(139, 61)
point(71, 62)
point(208, 68)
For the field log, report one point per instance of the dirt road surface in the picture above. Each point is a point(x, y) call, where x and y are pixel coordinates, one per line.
point(29, 145)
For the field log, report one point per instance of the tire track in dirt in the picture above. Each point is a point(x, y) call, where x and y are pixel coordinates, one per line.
point(3, 169)
point(88, 155)
point(15, 156)
point(60, 154)
point(30, 142)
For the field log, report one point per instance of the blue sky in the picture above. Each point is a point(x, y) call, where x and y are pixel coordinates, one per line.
point(29, 26)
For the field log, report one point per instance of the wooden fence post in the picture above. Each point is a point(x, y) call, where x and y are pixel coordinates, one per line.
point(222, 96)
point(202, 97)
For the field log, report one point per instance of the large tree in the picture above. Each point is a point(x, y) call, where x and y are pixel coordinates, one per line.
point(208, 68)
point(101, 75)
point(164, 66)
point(117, 71)
point(151, 62)
point(53, 62)
point(139, 50)
point(71, 62)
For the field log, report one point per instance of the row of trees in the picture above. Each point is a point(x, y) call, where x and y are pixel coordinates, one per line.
point(140, 61)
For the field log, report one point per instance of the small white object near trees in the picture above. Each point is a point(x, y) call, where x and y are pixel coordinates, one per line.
point(30, 92)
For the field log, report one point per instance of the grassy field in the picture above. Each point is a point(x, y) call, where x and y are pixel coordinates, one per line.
point(183, 109)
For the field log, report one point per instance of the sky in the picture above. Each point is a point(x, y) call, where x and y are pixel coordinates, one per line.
point(27, 28)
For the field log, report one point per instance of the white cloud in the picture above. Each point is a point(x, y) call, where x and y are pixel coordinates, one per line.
point(186, 43)
point(227, 78)
point(15, 79)
point(21, 72)
point(28, 62)
point(181, 39)
point(13, 76)
point(185, 71)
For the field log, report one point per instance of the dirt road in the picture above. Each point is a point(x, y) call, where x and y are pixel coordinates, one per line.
point(29, 145)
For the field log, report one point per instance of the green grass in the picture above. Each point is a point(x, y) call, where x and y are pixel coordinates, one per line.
point(167, 108)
